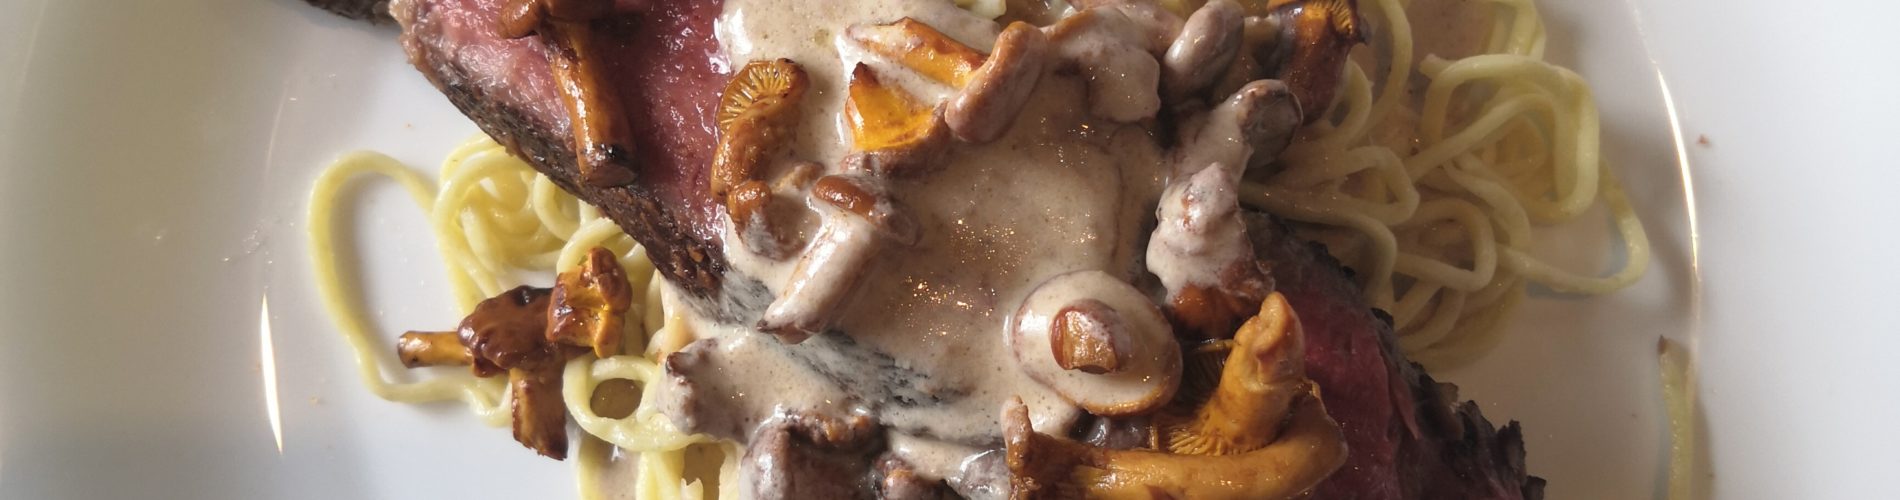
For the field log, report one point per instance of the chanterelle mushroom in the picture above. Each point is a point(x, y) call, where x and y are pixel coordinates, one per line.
point(603, 139)
point(995, 94)
point(921, 48)
point(754, 117)
point(589, 304)
point(1114, 52)
point(1315, 38)
point(858, 218)
point(1255, 123)
point(1206, 46)
point(419, 349)
point(891, 132)
point(530, 333)
point(1098, 342)
point(1263, 375)
point(509, 332)
point(992, 89)
point(1201, 252)
point(1264, 434)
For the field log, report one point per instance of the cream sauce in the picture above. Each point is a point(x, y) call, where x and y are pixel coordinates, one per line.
point(1199, 231)
point(923, 346)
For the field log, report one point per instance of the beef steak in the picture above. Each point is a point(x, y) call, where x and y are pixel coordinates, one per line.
point(671, 72)
point(1409, 439)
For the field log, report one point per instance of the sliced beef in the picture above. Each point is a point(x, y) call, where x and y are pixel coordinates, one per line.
point(1408, 439)
point(670, 72)
point(374, 11)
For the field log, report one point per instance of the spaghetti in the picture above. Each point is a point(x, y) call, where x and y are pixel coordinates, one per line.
point(496, 220)
point(1434, 199)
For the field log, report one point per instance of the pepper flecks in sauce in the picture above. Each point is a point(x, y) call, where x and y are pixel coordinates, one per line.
point(920, 344)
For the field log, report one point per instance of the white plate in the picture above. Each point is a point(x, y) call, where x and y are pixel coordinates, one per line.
point(157, 154)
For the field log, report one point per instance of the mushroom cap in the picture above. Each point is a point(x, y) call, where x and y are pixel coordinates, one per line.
point(1150, 369)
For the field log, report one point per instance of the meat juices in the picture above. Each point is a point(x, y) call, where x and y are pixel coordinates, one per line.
point(918, 346)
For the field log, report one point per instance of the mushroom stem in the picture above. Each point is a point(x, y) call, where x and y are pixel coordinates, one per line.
point(1112, 51)
point(1206, 47)
point(419, 349)
point(1257, 121)
point(1308, 450)
point(826, 272)
point(920, 47)
point(1316, 36)
point(540, 415)
point(995, 93)
point(521, 18)
point(603, 139)
point(1202, 255)
point(1264, 374)
point(858, 219)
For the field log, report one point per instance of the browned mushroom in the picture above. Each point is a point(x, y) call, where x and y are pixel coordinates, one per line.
point(501, 331)
point(1202, 255)
point(1209, 42)
point(1116, 55)
point(858, 218)
point(530, 333)
point(589, 305)
point(1307, 450)
point(505, 330)
point(603, 139)
point(921, 48)
point(1086, 336)
point(1263, 434)
point(1315, 38)
point(754, 118)
point(992, 89)
point(755, 124)
point(1253, 125)
point(995, 93)
point(419, 349)
point(1264, 373)
point(1098, 342)
point(540, 415)
point(891, 132)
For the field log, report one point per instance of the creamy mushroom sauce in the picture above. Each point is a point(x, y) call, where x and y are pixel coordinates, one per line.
point(921, 345)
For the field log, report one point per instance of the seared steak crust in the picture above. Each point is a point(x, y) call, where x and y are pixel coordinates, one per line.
point(688, 261)
point(505, 87)
point(1409, 439)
